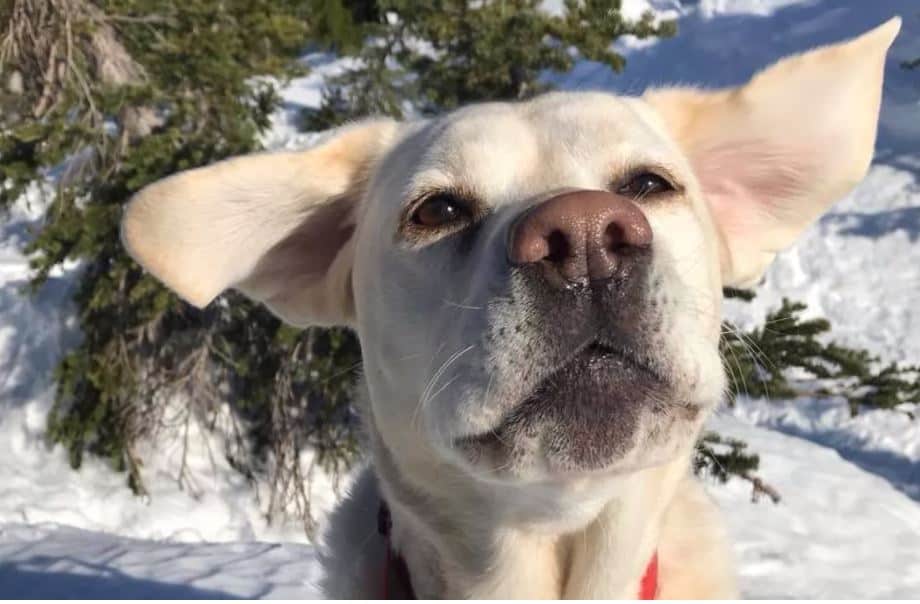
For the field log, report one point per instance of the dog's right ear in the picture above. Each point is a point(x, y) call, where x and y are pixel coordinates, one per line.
point(277, 226)
point(775, 153)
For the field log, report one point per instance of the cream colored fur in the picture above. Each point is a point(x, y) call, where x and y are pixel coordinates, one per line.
point(316, 236)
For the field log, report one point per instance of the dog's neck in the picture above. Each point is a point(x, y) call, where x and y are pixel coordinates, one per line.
point(467, 543)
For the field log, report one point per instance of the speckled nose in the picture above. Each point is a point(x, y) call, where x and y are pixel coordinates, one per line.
point(580, 236)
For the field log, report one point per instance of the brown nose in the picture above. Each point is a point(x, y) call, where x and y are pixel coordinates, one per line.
point(579, 236)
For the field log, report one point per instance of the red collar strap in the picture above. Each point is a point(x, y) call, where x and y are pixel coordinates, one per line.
point(397, 584)
point(648, 586)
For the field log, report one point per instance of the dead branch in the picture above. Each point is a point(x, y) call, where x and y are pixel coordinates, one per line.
point(760, 488)
point(31, 46)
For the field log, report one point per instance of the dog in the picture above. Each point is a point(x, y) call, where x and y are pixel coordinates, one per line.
point(536, 287)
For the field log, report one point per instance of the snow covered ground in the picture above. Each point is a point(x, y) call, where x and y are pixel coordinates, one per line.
point(839, 532)
point(849, 522)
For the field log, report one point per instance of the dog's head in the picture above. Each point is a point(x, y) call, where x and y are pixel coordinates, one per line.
point(536, 285)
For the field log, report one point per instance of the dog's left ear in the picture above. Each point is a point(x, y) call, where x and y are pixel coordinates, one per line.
point(773, 154)
point(277, 226)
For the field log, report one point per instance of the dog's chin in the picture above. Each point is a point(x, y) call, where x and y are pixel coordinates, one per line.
point(604, 410)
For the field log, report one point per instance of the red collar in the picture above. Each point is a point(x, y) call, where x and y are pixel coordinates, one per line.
point(648, 586)
point(397, 584)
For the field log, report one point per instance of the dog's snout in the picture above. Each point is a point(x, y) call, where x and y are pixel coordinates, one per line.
point(579, 236)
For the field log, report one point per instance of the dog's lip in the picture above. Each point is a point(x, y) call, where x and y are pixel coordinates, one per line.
point(599, 347)
point(591, 349)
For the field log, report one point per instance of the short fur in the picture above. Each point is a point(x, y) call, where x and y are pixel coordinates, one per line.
point(517, 461)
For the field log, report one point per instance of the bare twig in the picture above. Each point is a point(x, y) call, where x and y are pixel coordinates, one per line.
point(760, 488)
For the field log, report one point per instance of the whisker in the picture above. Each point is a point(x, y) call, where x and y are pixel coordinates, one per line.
point(458, 305)
point(432, 382)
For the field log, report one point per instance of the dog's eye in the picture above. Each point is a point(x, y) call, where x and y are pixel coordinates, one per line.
point(440, 210)
point(644, 185)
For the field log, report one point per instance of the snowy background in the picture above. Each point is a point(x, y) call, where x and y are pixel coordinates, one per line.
point(848, 524)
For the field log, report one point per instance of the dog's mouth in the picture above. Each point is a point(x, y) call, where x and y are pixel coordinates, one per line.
point(583, 415)
point(598, 354)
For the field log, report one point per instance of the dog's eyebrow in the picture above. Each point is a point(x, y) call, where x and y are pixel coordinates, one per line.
point(426, 181)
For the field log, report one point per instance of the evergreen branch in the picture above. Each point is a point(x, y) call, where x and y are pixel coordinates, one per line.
point(788, 345)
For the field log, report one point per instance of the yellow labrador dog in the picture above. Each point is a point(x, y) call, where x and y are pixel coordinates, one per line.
point(537, 289)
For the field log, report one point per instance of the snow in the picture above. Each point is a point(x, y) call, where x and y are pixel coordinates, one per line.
point(839, 532)
point(884, 443)
point(299, 94)
point(799, 548)
point(848, 524)
point(48, 561)
point(214, 504)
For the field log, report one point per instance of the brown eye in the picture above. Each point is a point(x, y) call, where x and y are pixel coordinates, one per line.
point(644, 185)
point(439, 211)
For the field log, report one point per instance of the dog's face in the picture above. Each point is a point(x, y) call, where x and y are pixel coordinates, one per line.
point(536, 285)
point(537, 289)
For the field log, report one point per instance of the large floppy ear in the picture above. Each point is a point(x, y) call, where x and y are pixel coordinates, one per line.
point(276, 226)
point(775, 153)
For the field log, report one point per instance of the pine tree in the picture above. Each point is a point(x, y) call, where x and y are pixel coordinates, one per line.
point(763, 361)
point(111, 96)
point(432, 57)
point(724, 458)
point(340, 26)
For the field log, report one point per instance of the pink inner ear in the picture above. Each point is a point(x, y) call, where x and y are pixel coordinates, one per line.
point(303, 257)
point(752, 186)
